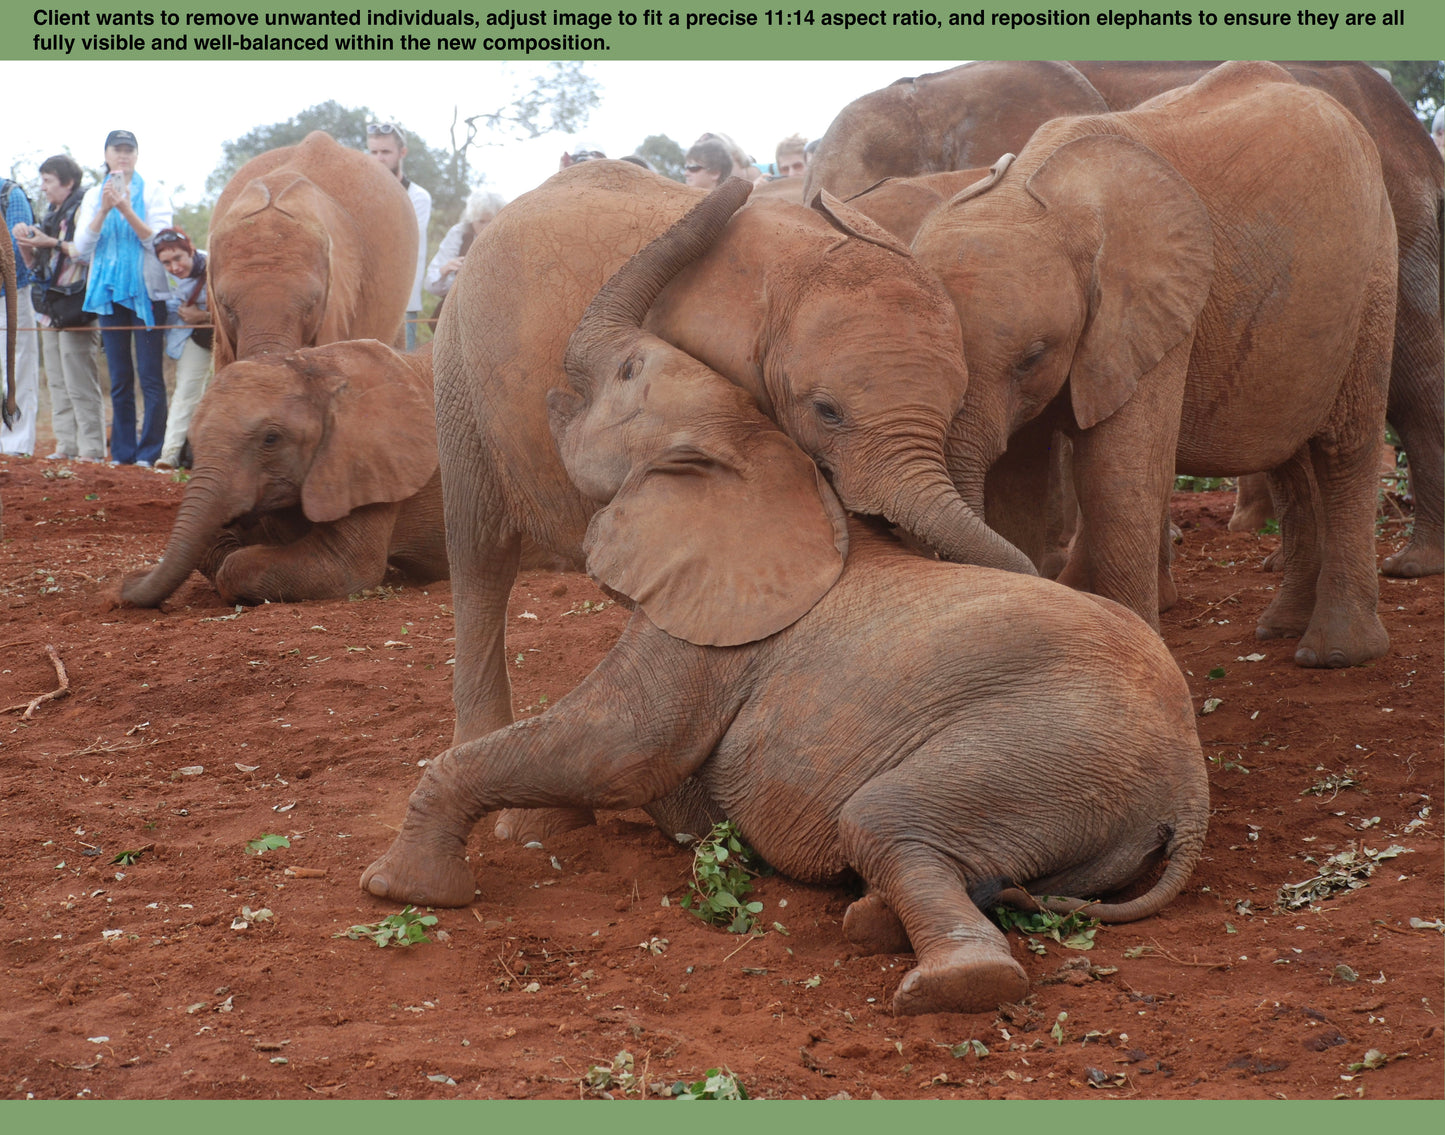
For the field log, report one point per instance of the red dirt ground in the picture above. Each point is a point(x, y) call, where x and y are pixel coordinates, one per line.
point(136, 981)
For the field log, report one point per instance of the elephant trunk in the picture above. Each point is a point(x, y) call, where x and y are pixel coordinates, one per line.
point(204, 510)
point(932, 510)
point(623, 302)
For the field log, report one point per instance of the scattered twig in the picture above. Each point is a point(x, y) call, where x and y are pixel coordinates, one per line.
point(1163, 953)
point(750, 940)
point(54, 695)
point(1212, 607)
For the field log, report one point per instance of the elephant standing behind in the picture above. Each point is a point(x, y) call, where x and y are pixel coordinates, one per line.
point(313, 473)
point(967, 116)
point(1206, 282)
point(944, 732)
point(821, 316)
point(309, 244)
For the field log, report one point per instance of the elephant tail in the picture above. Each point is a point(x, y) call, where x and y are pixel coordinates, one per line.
point(1183, 846)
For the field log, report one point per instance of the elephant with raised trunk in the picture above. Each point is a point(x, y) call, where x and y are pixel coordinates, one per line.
point(943, 732)
point(313, 474)
point(969, 115)
point(819, 315)
point(310, 244)
point(1099, 284)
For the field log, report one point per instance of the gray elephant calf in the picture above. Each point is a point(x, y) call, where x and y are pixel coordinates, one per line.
point(945, 732)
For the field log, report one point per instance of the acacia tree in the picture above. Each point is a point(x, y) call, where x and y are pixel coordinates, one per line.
point(665, 155)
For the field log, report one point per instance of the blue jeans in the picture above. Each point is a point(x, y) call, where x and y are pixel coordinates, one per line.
point(149, 351)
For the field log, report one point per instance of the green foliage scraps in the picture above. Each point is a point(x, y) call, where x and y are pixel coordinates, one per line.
point(722, 875)
point(602, 1080)
point(1346, 870)
point(964, 1048)
point(128, 858)
point(719, 1084)
point(267, 843)
point(408, 928)
point(1072, 931)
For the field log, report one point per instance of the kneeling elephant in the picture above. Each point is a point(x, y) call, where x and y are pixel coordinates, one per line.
point(313, 474)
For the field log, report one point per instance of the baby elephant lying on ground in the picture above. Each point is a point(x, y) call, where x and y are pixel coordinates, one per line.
point(944, 732)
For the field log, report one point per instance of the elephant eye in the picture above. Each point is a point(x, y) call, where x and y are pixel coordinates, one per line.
point(628, 370)
point(827, 411)
point(1031, 355)
point(271, 438)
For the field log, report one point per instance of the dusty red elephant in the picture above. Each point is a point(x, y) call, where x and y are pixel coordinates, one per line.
point(967, 116)
point(1097, 282)
point(310, 244)
point(936, 729)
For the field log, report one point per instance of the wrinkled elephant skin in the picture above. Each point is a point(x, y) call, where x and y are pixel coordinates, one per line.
point(809, 739)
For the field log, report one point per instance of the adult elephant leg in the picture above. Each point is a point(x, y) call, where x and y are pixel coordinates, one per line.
point(601, 746)
point(1419, 421)
point(1296, 504)
point(1345, 628)
point(330, 560)
point(964, 963)
point(1252, 506)
point(1123, 472)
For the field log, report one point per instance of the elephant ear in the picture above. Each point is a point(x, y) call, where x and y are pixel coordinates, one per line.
point(853, 223)
point(1153, 262)
point(722, 544)
point(378, 442)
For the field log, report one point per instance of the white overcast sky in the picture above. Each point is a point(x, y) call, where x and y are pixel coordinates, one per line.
point(183, 117)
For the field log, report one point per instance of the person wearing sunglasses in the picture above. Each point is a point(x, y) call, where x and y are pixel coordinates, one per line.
point(127, 289)
point(387, 144)
point(707, 164)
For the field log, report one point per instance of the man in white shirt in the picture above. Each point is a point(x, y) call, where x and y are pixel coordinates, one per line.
point(387, 144)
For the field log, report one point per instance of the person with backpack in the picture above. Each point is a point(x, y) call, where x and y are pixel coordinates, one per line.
point(128, 290)
point(17, 436)
point(69, 339)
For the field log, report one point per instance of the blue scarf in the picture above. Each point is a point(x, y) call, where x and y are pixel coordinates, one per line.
point(116, 276)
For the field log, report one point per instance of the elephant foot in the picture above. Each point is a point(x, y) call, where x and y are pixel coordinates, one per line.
point(871, 925)
point(1274, 561)
point(1414, 560)
point(965, 978)
point(1357, 642)
point(534, 825)
point(421, 874)
point(1283, 619)
point(1168, 593)
point(1250, 517)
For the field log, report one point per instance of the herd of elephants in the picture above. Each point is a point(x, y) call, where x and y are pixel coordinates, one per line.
point(829, 445)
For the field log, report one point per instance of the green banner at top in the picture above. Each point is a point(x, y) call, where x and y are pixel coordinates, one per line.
point(741, 29)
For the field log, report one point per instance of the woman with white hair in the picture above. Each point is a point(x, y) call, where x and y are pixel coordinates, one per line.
point(477, 214)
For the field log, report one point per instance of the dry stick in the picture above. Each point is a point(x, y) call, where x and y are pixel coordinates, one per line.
point(1211, 607)
point(1163, 953)
point(54, 695)
point(751, 939)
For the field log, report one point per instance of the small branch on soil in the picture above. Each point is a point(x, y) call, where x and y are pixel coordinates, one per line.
point(508, 968)
point(751, 939)
point(1163, 953)
point(54, 695)
point(1211, 607)
point(99, 746)
point(22, 642)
